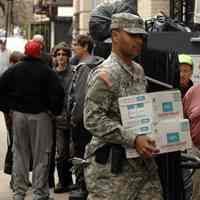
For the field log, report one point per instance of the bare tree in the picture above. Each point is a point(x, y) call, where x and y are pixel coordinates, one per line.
point(21, 13)
point(2, 7)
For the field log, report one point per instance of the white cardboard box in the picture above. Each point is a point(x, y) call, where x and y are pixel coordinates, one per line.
point(169, 135)
point(173, 135)
point(141, 112)
point(159, 115)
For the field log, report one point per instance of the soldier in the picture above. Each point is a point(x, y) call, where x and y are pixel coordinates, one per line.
point(110, 175)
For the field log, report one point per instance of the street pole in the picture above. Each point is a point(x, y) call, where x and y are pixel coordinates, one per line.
point(52, 16)
point(52, 34)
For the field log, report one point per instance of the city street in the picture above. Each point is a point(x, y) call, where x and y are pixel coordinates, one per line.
point(5, 192)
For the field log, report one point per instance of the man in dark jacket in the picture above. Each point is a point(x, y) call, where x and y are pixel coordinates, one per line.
point(33, 92)
point(82, 47)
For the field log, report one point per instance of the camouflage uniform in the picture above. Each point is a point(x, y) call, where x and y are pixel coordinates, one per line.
point(139, 179)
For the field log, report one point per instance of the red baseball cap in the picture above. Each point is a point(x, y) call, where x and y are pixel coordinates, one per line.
point(32, 49)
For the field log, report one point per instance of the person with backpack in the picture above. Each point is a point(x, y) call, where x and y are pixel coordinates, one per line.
point(82, 48)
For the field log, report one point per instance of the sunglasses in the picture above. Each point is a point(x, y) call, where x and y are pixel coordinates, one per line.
point(61, 54)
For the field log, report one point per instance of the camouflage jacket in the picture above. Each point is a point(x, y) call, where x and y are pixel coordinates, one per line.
point(111, 80)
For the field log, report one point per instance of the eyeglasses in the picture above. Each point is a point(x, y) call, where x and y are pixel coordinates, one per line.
point(61, 54)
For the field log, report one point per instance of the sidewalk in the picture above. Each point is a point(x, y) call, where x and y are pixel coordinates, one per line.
point(6, 193)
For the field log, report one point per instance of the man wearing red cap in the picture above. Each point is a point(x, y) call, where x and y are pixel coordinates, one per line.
point(44, 55)
point(33, 49)
point(33, 92)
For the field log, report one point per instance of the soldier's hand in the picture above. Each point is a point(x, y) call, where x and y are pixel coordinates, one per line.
point(145, 146)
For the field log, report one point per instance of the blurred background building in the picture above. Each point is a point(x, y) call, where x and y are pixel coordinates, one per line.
point(53, 19)
point(182, 10)
point(58, 20)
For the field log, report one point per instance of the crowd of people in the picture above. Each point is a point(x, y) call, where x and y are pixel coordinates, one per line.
point(65, 104)
point(42, 109)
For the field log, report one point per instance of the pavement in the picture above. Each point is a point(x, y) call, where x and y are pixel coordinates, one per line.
point(5, 191)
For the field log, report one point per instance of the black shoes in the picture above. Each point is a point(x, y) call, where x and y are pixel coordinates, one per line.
point(61, 189)
point(29, 184)
point(78, 195)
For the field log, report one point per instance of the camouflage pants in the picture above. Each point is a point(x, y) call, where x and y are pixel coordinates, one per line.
point(136, 182)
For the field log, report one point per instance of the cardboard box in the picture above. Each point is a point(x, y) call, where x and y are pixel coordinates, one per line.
point(141, 112)
point(169, 136)
point(159, 115)
point(172, 135)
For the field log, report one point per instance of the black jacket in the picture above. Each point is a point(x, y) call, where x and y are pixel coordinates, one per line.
point(31, 87)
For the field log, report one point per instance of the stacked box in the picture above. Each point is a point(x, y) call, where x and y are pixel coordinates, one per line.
point(173, 135)
point(159, 115)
